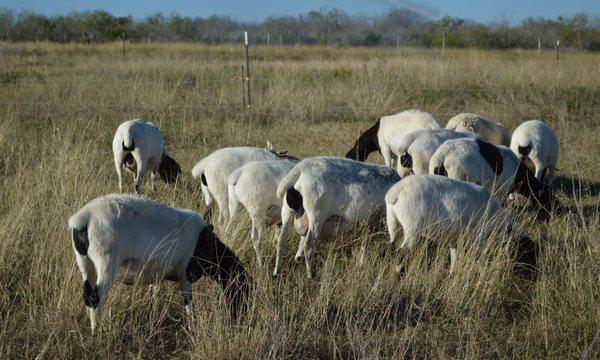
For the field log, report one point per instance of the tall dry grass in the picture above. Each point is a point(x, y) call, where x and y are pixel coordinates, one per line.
point(60, 105)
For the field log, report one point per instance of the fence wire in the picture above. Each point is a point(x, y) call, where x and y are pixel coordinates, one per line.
point(237, 108)
point(235, 80)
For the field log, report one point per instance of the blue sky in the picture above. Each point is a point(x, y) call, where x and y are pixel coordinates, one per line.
point(480, 10)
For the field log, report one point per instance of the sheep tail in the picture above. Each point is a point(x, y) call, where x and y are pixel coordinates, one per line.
point(288, 181)
point(524, 150)
point(233, 199)
point(392, 195)
point(78, 224)
point(128, 144)
point(437, 165)
point(198, 169)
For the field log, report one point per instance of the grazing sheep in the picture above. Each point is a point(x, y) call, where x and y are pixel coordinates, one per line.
point(416, 149)
point(214, 170)
point(537, 146)
point(386, 131)
point(324, 194)
point(128, 237)
point(488, 130)
point(495, 167)
point(431, 202)
point(139, 147)
point(254, 186)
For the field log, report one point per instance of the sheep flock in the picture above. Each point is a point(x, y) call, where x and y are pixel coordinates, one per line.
point(458, 181)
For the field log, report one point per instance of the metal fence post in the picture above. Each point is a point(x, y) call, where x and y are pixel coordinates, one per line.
point(243, 88)
point(444, 40)
point(248, 99)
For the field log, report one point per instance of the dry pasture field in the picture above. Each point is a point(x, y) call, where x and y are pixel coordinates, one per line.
point(60, 106)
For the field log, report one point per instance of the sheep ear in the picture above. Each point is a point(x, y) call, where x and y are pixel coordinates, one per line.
point(270, 146)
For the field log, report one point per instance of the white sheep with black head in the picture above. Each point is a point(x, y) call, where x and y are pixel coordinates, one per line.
point(422, 203)
point(254, 187)
point(138, 147)
point(492, 132)
point(129, 238)
point(536, 144)
point(214, 170)
point(323, 195)
point(416, 149)
point(495, 167)
point(387, 131)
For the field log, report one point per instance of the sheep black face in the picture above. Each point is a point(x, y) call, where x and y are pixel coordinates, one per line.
point(168, 169)
point(214, 259)
point(491, 154)
point(526, 254)
point(366, 143)
point(526, 184)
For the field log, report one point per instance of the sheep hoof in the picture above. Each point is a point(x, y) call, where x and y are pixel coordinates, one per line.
point(297, 259)
point(400, 270)
point(275, 274)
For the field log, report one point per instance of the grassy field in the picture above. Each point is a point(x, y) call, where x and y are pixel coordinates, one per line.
point(60, 106)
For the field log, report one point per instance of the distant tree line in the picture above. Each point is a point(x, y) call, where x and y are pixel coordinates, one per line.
point(325, 27)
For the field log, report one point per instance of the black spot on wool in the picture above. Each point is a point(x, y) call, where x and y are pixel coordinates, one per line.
point(294, 201)
point(524, 150)
point(125, 148)
point(80, 240)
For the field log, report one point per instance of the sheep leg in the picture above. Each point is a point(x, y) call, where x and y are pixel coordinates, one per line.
point(387, 155)
point(258, 229)
point(95, 296)
point(314, 229)
point(141, 171)
point(286, 221)
point(119, 168)
point(452, 259)
point(153, 181)
point(223, 210)
point(300, 251)
point(539, 170)
point(408, 244)
point(393, 160)
point(551, 175)
point(186, 290)
point(153, 290)
point(233, 206)
point(88, 273)
point(392, 224)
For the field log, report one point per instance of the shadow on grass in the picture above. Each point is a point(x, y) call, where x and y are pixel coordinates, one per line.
point(573, 187)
